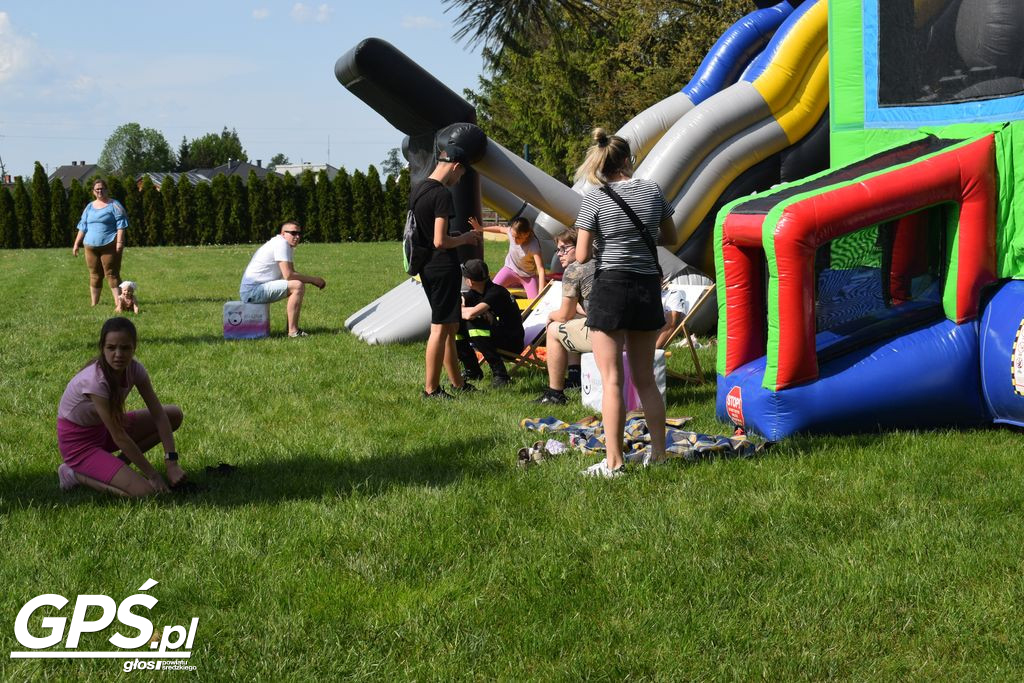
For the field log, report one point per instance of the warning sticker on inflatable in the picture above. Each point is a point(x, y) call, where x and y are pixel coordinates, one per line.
point(1017, 369)
point(734, 406)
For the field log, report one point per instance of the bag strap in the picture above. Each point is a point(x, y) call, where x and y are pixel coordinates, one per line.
point(648, 240)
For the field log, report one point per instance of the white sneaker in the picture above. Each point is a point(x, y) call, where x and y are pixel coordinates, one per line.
point(67, 478)
point(601, 469)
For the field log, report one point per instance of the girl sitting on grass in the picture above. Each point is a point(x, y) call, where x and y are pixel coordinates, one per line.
point(92, 424)
point(524, 266)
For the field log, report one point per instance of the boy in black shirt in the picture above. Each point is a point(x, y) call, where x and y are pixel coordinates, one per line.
point(491, 320)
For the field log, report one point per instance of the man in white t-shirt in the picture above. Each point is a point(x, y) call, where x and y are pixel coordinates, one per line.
point(271, 276)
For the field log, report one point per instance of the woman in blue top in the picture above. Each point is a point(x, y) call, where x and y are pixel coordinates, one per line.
point(102, 229)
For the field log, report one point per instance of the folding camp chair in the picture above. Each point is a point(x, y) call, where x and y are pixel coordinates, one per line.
point(697, 297)
point(535, 324)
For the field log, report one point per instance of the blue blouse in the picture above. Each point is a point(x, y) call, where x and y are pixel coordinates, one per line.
point(101, 225)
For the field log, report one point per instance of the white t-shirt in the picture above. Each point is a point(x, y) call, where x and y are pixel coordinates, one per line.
point(264, 264)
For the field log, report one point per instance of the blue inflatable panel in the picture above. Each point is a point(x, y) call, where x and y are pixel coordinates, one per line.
point(926, 378)
point(734, 50)
point(1002, 354)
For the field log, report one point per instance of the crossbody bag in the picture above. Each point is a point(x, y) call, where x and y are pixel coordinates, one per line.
point(648, 240)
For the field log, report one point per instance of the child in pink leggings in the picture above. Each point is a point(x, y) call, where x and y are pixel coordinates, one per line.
point(92, 424)
point(524, 266)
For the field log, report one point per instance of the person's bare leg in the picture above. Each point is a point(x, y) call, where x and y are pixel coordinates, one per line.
point(434, 358)
point(451, 357)
point(94, 294)
point(296, 290)
point(557, 358)
point(143, 432)
point(127, 483)
point(608, 356)
point(640, 355)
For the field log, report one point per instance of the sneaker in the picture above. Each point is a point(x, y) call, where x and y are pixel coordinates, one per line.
point(466, 388)
point(439, 394)
point(298, 333)
point(552, 397)
point(474, 374)
point(601, 469)
point(67, 478)
point(499, 381)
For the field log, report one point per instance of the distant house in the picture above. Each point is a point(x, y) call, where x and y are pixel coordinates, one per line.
point(238, 168)
point(158, 178)
point(78, 170)
point(297, 169)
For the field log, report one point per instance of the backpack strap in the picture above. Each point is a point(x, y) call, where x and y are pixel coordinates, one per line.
point(648, 240)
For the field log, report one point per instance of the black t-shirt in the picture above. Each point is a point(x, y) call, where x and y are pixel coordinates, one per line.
point(428, 200)
point(508, 320)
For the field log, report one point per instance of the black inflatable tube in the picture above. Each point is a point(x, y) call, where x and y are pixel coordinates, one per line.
point(399, 89)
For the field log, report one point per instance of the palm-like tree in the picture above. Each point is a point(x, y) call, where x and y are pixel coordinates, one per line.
point(500, 24)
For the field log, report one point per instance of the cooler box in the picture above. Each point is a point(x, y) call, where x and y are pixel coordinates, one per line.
point(246, 321)
point(591, 388)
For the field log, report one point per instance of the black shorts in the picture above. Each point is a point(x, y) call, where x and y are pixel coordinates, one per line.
point(625, 301)
point(443, 286)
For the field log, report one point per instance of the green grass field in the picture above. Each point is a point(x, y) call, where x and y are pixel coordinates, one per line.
point(368, 535)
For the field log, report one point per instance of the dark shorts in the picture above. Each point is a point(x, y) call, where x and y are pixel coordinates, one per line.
point(625, 301)
point(443, 287)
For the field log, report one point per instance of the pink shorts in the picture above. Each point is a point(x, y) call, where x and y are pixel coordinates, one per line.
point(89, 450)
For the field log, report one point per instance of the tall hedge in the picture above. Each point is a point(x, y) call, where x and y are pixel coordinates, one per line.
point(351, 207)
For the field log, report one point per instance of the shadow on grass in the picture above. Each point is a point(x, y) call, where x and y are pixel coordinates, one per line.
point(299, 477)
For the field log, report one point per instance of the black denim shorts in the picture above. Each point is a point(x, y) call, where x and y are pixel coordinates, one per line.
point(625, 301)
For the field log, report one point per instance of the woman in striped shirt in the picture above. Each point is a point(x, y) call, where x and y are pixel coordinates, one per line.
point(625, 309)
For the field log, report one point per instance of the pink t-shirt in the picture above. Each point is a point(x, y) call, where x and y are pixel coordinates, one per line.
point(76, 406)
point(520, 256)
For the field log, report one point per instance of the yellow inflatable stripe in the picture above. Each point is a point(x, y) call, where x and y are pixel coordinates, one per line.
point(800, 115)
point(780, 80)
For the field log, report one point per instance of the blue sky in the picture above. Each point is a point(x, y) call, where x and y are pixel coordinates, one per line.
point(71, 73)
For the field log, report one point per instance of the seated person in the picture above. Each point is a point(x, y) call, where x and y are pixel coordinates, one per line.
point(271, 276)
point(567, 333)
point(126, 299)
point(491, 320)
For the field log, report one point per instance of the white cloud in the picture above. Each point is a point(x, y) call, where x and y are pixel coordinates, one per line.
point(14, 49)
point(303, 13)
point(420, 22)
point(260, 13)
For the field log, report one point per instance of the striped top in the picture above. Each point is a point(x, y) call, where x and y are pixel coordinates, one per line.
point(618, 245)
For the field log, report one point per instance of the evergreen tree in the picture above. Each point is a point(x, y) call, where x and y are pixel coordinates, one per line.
point(379, 217)
point(239, 210)
point(23, 212)
point(169, 194)
point(153, 211)
point(8, 221)
point(310, 215)
point(184, 156)
point(59, 237)
point(40, 207)
point(136, 215)
point(272, 184)
point(260, 219)
point(186, 211)
point(291, 200)
point(78, 198)
point(392, 164)
point(343, 205)
point(206, 215)
point(116, 188)
point(396, 215)
point(326, 208)
point(360, 208)
point(221, 209)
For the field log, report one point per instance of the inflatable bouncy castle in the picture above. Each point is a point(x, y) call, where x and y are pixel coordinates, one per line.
point(886, 291)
